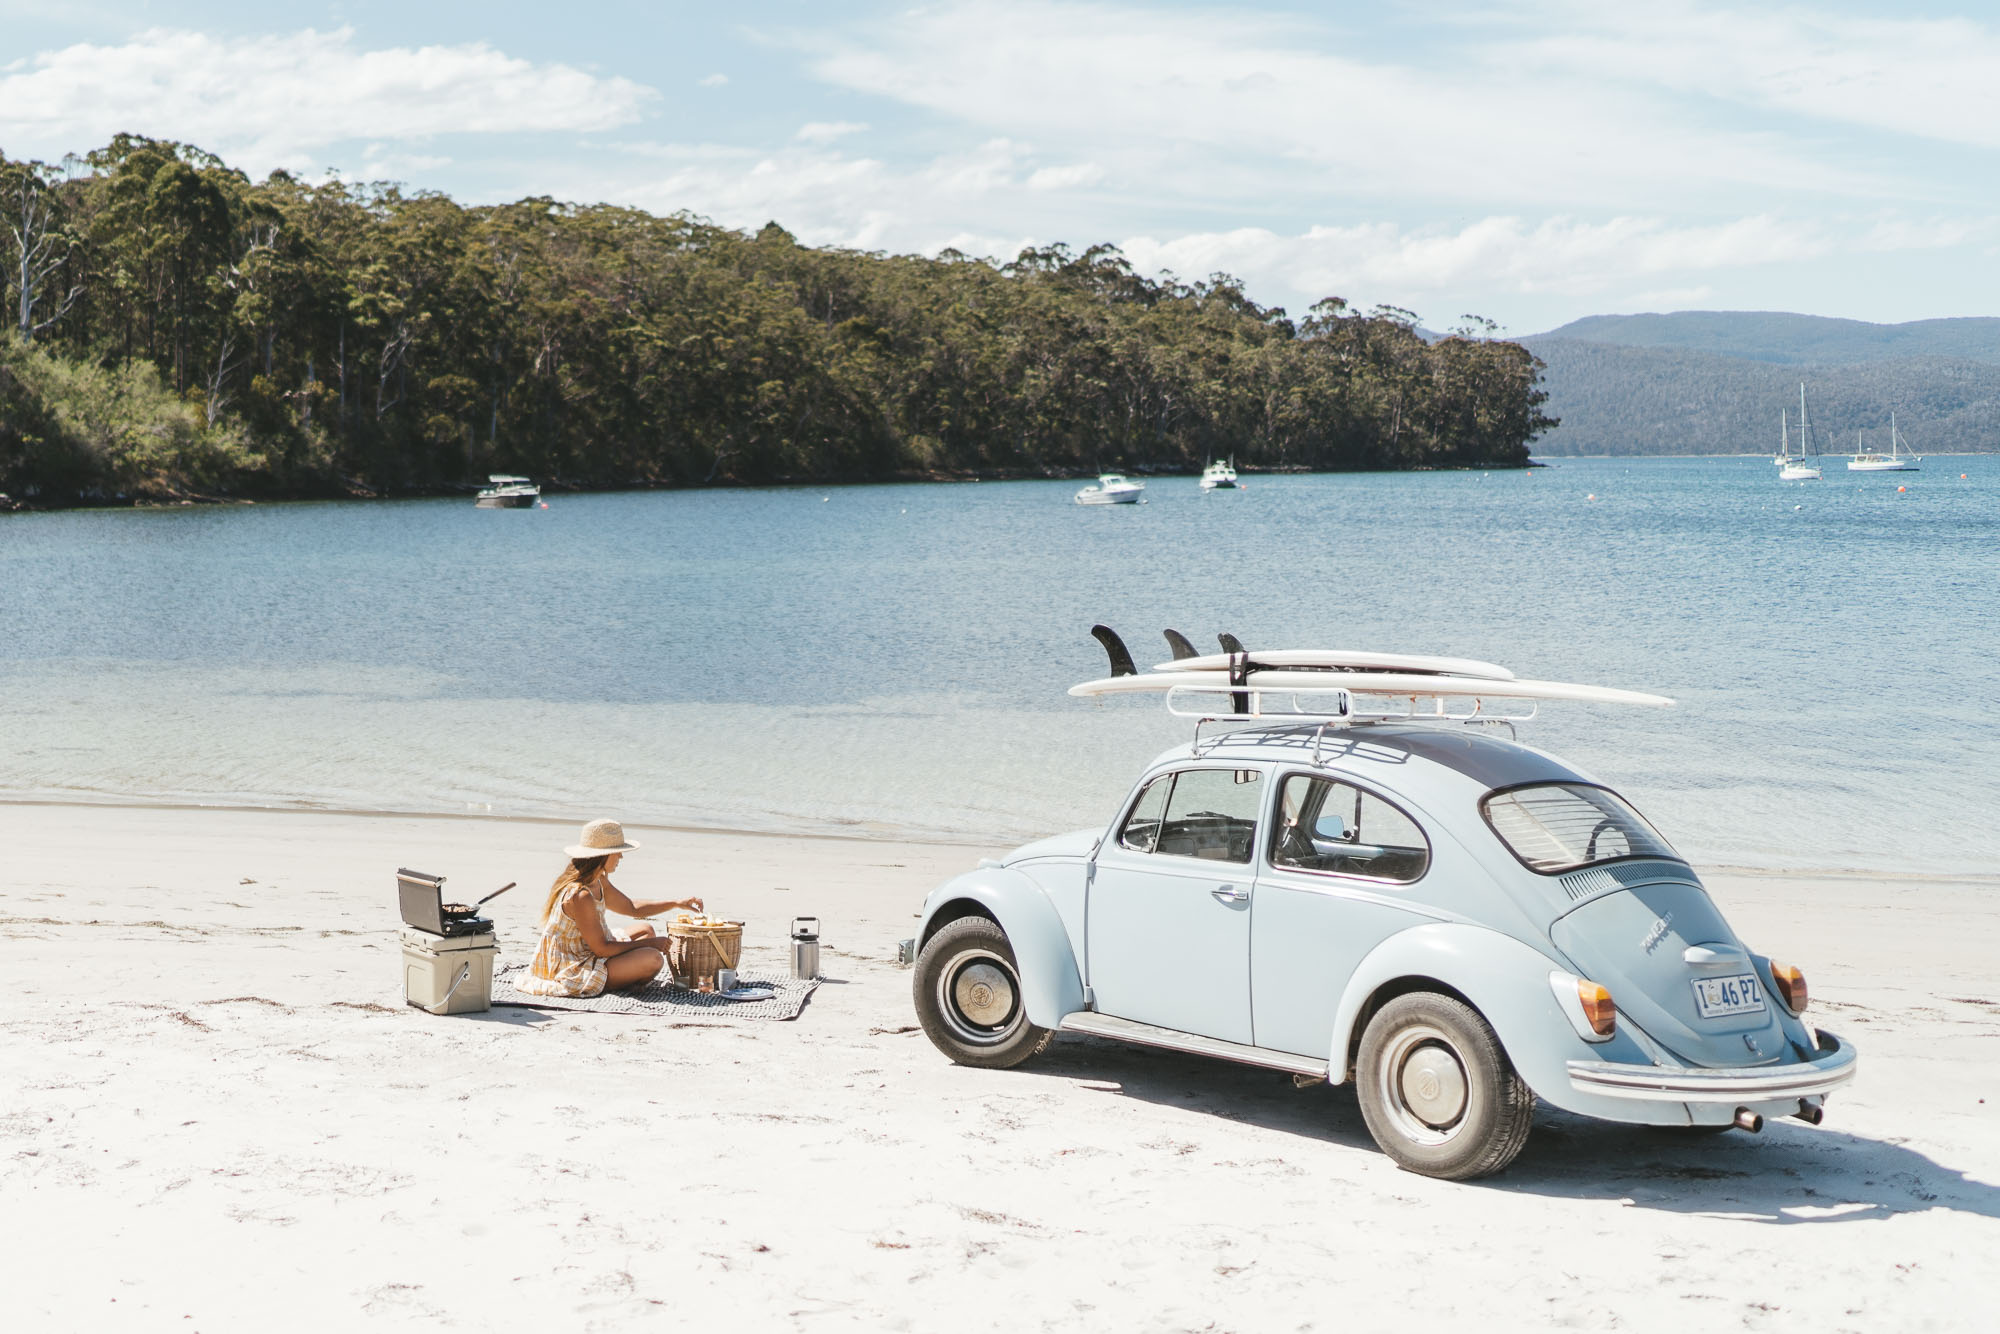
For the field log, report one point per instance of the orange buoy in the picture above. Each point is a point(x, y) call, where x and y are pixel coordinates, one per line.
point(1902, 488)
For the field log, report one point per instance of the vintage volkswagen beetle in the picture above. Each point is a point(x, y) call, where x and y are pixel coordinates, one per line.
point(1456, 923)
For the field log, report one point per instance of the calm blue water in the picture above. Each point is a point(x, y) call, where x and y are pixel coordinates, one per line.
point(892, 660)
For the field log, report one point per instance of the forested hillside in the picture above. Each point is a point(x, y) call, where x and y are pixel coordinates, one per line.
point(1715, 382)
point(178, 328)
point(1792, 340)
point(1643, 400)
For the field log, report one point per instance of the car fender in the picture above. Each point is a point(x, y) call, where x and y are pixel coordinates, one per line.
point(1051, 982)
point(1506, 980)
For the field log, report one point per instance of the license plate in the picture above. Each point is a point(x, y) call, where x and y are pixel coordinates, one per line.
point(1720, 997)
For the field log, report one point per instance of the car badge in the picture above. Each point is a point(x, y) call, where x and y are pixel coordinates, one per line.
point(1658, 933)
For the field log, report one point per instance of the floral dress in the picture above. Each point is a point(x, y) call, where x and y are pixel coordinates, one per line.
point(564, 965)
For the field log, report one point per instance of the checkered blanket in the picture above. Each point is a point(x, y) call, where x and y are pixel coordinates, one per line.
point(663, 997)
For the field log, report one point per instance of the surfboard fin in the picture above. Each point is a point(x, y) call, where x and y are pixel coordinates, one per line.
point(1178, 642)
point(1114, 648)
point(1230, 643)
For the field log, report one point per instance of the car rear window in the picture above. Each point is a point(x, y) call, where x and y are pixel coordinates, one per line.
point(1561, 826)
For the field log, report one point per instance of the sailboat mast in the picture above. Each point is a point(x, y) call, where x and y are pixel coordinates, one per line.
point(1805, 431)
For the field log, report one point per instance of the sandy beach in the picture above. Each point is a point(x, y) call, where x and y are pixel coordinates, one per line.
point(220, 1116)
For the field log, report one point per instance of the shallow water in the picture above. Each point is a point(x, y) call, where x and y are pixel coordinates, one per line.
point(892, 660)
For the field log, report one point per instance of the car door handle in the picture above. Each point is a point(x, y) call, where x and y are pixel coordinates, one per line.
point(1230, 894)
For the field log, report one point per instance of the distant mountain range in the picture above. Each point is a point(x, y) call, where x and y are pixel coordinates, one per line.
point(1714, 382)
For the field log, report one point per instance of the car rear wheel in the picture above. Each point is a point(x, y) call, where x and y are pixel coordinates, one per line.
point(1437, 1090)
point(968, 995)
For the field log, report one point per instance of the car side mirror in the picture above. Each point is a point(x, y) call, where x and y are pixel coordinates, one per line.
point(1330, 827)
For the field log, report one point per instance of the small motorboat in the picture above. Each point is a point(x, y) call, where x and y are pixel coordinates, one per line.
point(508, 493)
point(1219, 476)
point(1113, 489)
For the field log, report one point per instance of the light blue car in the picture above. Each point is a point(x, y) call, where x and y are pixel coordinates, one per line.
point(1455, 923)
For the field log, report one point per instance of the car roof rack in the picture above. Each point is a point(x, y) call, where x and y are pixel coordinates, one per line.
point(1335, 705)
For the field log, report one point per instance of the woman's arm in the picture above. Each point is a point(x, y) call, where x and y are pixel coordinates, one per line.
point(590, 925)
point(615, 899)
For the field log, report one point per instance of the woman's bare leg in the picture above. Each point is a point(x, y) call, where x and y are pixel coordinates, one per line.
point(632, 968)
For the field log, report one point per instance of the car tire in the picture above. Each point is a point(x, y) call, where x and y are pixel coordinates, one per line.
point(1437, 1090)
point(969, 1000)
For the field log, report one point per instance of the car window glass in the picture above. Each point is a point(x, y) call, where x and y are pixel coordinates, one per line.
point(1337, 828)
point(1142, 827)
point(1212, 814)
point(1561, 826)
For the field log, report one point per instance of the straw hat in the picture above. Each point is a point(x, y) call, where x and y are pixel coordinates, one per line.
point(601, 838)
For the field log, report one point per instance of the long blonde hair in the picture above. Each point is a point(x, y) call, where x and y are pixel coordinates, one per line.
point(580, 871)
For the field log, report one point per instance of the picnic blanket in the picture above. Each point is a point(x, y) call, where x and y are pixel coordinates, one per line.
point(664, 998)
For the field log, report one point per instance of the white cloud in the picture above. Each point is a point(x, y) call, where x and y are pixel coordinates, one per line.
point(275, 100)
point(1925, 78)
point(1511, 256)
point(1065, 178)
point(712, 81)
point(826, 131)
point(1225, 106)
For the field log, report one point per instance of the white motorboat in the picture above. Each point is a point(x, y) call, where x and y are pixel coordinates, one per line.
point(508, 493)
point(1898, 459)
point(1219, 476)
point(1802, 466)
point(1113, 489)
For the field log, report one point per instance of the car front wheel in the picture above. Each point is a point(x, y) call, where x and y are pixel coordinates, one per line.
point(968, 995)
point(1437, 1090)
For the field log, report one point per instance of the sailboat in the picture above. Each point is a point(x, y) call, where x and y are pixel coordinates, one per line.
point(1800, 467)
point(1897, 459)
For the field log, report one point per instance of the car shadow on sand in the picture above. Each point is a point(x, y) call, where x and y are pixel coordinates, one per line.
point(1790, 1173)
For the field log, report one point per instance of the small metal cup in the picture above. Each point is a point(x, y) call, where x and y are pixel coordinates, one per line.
point(725, 979)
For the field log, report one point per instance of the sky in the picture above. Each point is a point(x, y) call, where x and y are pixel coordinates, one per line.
point(1529, 161)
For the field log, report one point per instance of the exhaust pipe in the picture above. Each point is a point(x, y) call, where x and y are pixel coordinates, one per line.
point(1748, 1120)
point(1810, 1112)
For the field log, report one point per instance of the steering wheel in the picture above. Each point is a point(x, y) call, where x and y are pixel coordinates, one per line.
point(1295, 847)
point(1590, 848)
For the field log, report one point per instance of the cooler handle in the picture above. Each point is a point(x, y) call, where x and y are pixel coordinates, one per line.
point(795, 927)
point(465, 971)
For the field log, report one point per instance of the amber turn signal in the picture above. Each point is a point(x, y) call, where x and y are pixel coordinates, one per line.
point(1597, 1007)
point(1791, 984)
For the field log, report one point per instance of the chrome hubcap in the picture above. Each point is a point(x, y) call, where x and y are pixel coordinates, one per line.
point(1434, 1086)
point(1423, 1086)
point(983, 994)
point(979, 998)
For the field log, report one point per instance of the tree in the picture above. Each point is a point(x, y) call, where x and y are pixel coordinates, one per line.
point(31, 221)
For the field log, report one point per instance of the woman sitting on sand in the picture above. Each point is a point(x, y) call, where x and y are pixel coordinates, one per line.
point(577, 955)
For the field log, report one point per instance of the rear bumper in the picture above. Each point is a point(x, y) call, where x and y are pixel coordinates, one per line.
point(1832, 1067)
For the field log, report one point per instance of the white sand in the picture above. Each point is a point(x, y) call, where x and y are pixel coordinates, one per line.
point(220, 1116)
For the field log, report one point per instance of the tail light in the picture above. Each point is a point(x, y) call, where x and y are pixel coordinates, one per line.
point(1791, 985)
point(1598, 1008)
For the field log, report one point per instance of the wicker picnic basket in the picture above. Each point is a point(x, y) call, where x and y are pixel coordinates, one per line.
point(697, 948)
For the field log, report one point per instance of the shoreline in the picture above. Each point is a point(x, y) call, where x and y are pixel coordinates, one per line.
point(556, 487)
point(465, 490)
point(981, 839)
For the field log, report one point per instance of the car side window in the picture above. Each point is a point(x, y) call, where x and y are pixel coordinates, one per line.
point(1212, 814)
point(1142, 826)
point(1337, 828)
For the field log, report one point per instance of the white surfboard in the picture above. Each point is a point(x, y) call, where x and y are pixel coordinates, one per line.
point(1349, 659)
point(1400, 684)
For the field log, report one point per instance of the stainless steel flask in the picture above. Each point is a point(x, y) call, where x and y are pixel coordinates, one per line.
point(805, 947)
